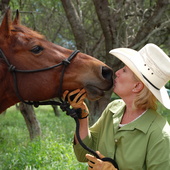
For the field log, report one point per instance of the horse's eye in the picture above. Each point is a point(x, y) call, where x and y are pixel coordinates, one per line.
point(37, 49)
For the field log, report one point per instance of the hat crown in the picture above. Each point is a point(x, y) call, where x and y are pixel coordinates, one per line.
point(156, 65)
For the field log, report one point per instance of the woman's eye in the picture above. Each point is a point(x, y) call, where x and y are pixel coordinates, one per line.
point(36, 49)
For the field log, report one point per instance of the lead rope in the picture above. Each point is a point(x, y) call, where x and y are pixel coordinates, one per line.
point(65, 106)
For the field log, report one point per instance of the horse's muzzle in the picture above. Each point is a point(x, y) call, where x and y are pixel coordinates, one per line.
point(107, 74)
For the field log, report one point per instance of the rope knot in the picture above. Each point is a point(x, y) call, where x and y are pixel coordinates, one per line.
point(11, 68)
point(65, 107)
point(66, 62)
point(36, 104)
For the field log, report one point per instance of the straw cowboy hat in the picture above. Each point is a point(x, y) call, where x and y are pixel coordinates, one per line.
point(151, 65)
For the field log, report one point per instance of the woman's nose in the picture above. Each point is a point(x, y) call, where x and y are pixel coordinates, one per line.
point(117, 73)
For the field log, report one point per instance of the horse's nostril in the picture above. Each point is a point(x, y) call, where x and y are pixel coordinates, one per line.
point(107, 73)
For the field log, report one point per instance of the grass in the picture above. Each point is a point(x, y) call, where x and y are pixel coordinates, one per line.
point(53, 151)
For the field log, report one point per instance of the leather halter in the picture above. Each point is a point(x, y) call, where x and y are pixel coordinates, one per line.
point(14, 70)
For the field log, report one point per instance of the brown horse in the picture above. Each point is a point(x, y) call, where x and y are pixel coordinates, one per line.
point(28, 50)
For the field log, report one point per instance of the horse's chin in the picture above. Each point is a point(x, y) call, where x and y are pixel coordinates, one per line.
point(93, 93)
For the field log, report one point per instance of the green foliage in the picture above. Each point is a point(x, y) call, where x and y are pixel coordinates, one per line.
point(168, 85)
point(46, 17)
point(53, 151)
point(164, 112)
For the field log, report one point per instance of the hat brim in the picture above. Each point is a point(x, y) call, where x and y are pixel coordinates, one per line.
point(133, 60)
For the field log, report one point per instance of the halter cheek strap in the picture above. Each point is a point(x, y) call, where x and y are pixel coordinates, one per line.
point(13, 70)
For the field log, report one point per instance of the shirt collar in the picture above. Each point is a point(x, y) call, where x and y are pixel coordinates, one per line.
point(143, 123)
point(117, 108)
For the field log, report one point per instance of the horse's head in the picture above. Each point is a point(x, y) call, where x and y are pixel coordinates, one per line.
point(28, 50)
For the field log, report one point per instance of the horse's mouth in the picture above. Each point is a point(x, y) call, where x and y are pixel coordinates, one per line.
point(93, 93)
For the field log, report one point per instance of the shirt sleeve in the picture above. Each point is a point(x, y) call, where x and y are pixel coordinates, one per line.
point(101, 127)
point(91, 139)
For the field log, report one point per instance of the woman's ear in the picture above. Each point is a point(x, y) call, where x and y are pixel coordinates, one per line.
point(138, 87)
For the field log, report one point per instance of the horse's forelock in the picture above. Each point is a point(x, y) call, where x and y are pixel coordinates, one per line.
point(22, 36)
point(28, 32)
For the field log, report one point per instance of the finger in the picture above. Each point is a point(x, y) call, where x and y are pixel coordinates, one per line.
point(90, 164)
point(100, 155)
point(81, 99)
point(72, 94)
point(91, 158)
point(79, 95)
point(89, 168)
point(83, 90)
point(65, 94)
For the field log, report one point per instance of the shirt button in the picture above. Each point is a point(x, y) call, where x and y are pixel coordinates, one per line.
point(116, 140)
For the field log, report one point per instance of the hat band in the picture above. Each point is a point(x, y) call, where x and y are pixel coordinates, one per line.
point(150, 83)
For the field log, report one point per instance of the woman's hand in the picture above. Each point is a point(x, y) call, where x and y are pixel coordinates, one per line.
point(78, 101)
point(97, 164)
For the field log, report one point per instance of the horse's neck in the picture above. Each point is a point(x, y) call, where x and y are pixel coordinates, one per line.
point(6, 100)
point(7, 95)
point(4, 104)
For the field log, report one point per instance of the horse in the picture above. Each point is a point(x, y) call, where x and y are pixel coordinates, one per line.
point(25, 49)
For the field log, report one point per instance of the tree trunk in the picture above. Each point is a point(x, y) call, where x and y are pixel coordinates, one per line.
point(32, 123)
point(96, 107)
point(3, 6)
point(76, 24)
point(56, 111)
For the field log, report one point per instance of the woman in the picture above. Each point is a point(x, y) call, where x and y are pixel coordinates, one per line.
point(130, 130)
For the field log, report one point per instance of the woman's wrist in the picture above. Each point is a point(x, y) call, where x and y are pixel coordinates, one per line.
point(84, 114)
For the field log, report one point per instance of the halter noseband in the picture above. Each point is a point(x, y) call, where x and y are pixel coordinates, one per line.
point(13, 70)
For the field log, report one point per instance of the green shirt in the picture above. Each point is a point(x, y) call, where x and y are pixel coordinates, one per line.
point(143, 144)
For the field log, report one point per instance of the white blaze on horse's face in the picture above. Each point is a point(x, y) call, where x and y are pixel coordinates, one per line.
point(28, 50)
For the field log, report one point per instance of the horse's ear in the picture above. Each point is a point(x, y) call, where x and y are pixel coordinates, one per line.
point(17, 18)
point(6, 24)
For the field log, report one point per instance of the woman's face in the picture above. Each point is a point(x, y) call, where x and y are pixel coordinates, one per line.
point(124, 82)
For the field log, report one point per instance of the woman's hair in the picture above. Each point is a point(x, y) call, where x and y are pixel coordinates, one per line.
point(145, 99)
